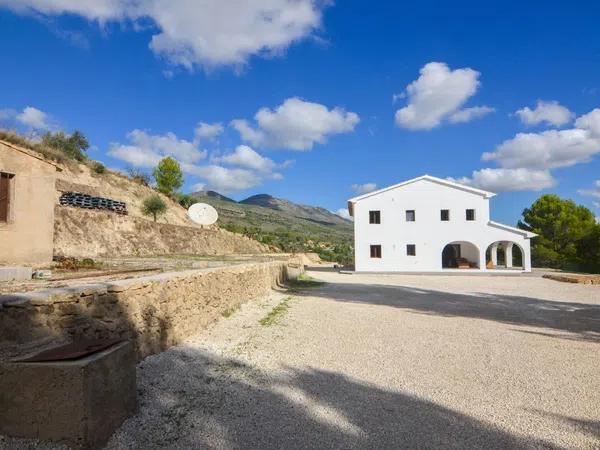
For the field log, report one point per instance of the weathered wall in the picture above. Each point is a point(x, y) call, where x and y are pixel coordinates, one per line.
point(93, 233)
point(27, 236)
point(155, 312)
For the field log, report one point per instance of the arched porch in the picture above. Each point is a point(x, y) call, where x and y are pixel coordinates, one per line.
point(460, 255)
point(504, 255)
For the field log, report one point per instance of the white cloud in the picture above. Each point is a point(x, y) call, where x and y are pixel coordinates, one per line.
point(145, 150)
point(546, 150)
point(343, 212)
point(468, 114)
point(34, 118)
point(594, 192)
point(244, 156)
point(552, 113)
point(590, 122)
point(504, 180)
point(296, 125)
point(208, 131)
point(364, 188)
point(226, 180)
point(438, 95)
point(597, 206)
point(209, 33)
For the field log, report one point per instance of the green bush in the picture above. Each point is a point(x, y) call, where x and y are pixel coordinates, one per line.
point(73, 145)
point(168, 176)
point(154, 206)
point(98, 167)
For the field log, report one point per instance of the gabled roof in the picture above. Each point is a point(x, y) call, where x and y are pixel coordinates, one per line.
point(30, 153)
point(527, 234)
point(452, 184)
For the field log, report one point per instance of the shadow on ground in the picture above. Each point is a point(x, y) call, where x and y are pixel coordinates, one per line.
point(207, 401)
point(581, 320)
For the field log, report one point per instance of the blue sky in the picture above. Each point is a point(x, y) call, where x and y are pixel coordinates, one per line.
point(320, 97)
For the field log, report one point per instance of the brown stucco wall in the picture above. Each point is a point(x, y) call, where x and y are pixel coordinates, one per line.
point(28, 236)
point(155, 312)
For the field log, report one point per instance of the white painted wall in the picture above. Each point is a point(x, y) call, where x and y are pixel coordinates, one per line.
point(428, 232)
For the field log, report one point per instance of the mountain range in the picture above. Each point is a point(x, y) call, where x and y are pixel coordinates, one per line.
point(276, 215)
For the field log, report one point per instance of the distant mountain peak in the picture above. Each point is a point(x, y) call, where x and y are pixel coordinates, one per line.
point(211, 194)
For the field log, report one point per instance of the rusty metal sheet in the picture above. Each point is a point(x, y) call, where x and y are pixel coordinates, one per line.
point(72, 351)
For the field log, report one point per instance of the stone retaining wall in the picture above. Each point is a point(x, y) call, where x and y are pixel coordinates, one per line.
point(155, 312)
point(84, 233)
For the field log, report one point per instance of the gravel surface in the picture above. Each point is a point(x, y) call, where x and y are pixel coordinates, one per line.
point(383, 361)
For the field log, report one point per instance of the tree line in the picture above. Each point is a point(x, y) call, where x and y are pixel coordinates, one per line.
point(568, 234)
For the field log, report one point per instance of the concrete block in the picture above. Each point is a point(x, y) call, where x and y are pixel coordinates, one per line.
point(16, 273)
point(79, 403)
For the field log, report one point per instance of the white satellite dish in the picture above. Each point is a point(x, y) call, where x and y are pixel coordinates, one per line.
point(202, 214)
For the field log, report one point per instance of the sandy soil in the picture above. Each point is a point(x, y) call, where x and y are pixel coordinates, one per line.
point(384, 361)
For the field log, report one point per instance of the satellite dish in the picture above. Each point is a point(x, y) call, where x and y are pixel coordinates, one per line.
point(202, 214)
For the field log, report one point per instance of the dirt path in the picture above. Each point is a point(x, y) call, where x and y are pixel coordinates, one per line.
point(369, 361)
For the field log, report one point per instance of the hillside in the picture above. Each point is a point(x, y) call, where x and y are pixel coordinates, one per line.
point(287, 225)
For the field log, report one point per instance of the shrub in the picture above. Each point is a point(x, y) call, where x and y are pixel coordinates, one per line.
point(98, 167)
point(139, 177)
point(154, 206)
point(185, 200)
point(73, 145)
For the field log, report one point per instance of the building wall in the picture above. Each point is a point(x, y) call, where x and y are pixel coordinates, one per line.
point(27, 238)
point(428, 233)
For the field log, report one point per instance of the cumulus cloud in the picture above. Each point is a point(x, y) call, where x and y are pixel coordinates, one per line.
point(246, 157)
point(364, 188)
point(590, 122)
point(552, 113)
point(343, 213)
point(209, 33)
point(34, 118)
point(227, 180)
point(527, 159)
point(593, 192)
point(546, 150)
point(468, 114)
point(438, 95)
point(296, 125)
point(145, 150)
point(504, 180)
point(208, 131)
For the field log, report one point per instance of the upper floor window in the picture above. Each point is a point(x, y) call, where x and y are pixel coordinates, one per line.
point(470, 214)
point(374, 217)
point(445, 215)
point(5, 195)
point(375, 251)
point(411, 250)
point(410, 215)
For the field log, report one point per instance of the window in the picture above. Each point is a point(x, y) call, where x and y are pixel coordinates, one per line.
point(5, 194)
point(411, 250)
point(374, 217)
point(375, 251)
point(445, 215)
point(410, 215)
point(470, 214)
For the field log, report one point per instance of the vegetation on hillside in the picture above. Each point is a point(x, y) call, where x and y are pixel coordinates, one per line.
point(168, 176)
point(568, 235)
point(154, 206)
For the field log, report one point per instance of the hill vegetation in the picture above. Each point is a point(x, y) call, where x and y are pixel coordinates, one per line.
point(285, 225)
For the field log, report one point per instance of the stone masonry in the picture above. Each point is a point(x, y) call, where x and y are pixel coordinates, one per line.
point(154, 312)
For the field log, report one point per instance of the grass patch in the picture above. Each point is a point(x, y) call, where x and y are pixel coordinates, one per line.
point(229, 311)
point(276, 313)
point(305, 281)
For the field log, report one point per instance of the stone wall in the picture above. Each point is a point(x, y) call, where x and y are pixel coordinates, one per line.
point(83, 233)
point(155, 312)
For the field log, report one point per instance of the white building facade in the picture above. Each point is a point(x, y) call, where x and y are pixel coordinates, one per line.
point(428, 224)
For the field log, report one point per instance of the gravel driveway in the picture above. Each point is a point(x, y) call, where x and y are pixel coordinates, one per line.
point(384, 361)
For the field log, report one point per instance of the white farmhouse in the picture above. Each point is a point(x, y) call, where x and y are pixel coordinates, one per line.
point(428, 224)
